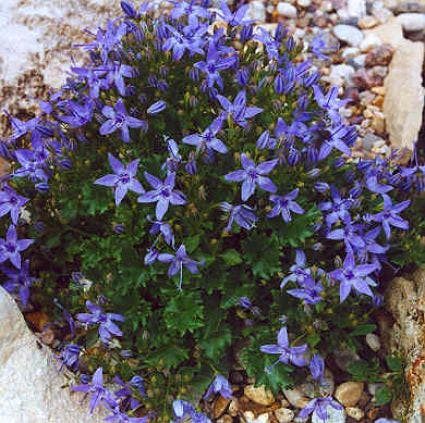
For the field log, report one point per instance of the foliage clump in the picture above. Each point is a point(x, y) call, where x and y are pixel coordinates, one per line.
point(191, 196)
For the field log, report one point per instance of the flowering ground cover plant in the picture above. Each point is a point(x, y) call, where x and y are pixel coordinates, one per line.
point(189, 202)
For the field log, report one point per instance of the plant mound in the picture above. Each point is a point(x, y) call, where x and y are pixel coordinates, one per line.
point(189, 195)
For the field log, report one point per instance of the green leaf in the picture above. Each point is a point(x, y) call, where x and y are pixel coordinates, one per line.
point(394, 363)
point(232, 257)
point(383, 396)
point(363, 330)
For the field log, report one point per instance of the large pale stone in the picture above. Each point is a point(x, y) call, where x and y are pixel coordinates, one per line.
point(404, 99)
point(31, 386)
point(405, 300)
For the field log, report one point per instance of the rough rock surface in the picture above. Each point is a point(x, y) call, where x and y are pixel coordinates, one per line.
point(32, 371)
point(405, 299)
point(404, 99)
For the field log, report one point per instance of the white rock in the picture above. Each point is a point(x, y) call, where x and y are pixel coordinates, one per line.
point(287, 10)
point(356, 8)
point(373, 342)
point(257, 11)
point(284, 415)
point(349, 34)
point(369, 42)
point(350, 52)
point(359, 61)
point(304, 3)
point(334, 416)
point(30, 382)
point(412, 22)
point(341, 75)
point(404, 98)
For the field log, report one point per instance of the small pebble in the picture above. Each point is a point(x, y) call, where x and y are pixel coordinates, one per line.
point(355, 413)
point(367, 22)
point(287, 10)
point(349, 34)
point(284, 415)
point(304, 3)
point(349, 393)
point(373, 342)
point(369, 42)
point(259, 395)
point(412, 22)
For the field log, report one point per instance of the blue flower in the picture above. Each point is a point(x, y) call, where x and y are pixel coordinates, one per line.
point(208, 138)
point(219, 385)
point(309, 291)
point(182, 410)
point(284, 205)
point(157, 107)
point(70, 355)
point(11, 247)
point(319, 406)
point(253, 175)
point(163, 194)
point(287, 354)
point(352, 276)
point(11, 202)
point(122, 180)
point(96, 316)
point(177, 262)
point(98, 392)
point(234, 19)
point(238, 109)
point(19, 280)
point(119, 119)
point(317, 367)
point(241, 214)
point(390, 216)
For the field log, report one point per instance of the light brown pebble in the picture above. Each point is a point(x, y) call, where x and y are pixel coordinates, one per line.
point(234, 407)
point(259, 395)
point(284, 415)
point(220, 406)
point(355, 413)
point(225, 419)
point(349, 393)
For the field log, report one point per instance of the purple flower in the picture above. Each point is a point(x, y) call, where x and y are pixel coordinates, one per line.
point(352, 276)
point(213, 64)
point(319, 406)
point(123, 179)
point(182, 410)
point(220, 384)
point(117, 74)
point(165, 230)
point(11, 202)
point(184, 8)
point(238, 109)
point(177, 262)
point(157, 107)
point(309, 291)
point(119, 119)
point(266, 141)
point(340, 137)
point(242, 215)
point(234, 19)
point(78, 114)
point(98, 392)
point(389, 216)
point(96, 316)
point(337, 209)
point(351, 234)
point(253, 175)
point(70, 356)
point(118, 416)
point(330, 102)
point(163, 194)
point(31, 166)
point(285, 205)
point(317, 367)
point(299, 270)
point(19, 280)
point(287, 354)
point(208, 138)
point(11, 247)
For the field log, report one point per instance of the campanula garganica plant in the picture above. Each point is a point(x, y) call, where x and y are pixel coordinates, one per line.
point(188, 201)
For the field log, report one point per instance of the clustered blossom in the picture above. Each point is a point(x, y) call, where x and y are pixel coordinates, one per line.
point(309, 136)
